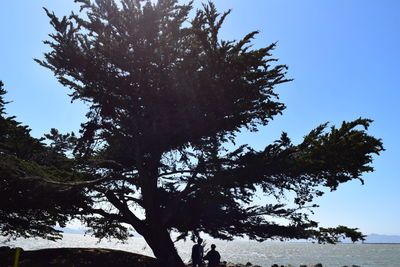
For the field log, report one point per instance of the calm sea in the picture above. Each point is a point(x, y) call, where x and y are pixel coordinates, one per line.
point(264, 254)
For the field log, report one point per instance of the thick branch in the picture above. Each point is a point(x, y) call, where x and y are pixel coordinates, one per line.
point(105, 214)
point(136, 200)
point(125, 211)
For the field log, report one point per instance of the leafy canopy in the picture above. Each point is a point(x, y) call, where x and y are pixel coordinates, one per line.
point(166, 95)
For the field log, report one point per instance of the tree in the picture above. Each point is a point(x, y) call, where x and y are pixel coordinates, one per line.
point(166, 97)
point(31, 199)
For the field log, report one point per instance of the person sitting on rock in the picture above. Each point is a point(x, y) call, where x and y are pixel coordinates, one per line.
point(213, 257)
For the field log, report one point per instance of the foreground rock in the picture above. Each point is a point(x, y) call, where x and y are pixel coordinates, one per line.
point(67, 257)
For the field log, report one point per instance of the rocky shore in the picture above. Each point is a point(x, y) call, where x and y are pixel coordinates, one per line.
point(91, 257)
point(275, 265)
point(228, 264)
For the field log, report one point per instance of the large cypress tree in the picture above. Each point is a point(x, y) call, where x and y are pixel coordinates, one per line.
point(166, 96)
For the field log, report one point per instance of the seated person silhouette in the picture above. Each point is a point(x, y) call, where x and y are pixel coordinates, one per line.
point(213, 257)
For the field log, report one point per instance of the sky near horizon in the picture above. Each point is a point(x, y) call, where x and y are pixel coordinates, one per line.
point(343, 56)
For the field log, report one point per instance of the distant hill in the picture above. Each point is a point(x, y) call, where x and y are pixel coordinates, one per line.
point(376, 238)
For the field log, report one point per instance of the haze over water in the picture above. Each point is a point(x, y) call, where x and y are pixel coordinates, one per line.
point(264, 254)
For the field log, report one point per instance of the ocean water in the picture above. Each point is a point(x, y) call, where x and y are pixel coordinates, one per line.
point(264, 254)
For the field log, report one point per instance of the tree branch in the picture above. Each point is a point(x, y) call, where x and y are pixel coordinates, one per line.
point(105, 214)
point(183, 171)
point(70, 184)
point(126, 212)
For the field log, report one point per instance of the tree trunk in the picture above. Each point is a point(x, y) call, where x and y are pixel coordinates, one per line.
point(155, 234)
point(163, 248)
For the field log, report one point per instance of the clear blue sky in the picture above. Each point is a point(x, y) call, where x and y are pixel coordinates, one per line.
point(344, 56)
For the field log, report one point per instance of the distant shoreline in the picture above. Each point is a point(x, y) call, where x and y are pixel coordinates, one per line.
point(375, 243)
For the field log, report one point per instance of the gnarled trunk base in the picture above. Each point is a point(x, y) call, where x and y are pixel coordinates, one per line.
point(163, 248)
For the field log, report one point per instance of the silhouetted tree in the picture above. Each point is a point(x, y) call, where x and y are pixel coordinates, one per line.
point(166, 96)
point(33, 198)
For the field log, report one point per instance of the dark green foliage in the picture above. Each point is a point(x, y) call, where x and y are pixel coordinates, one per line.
point(2, 101)
point(163, 85)
point(166, 95)
point(322, 159)
point(30, 206)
